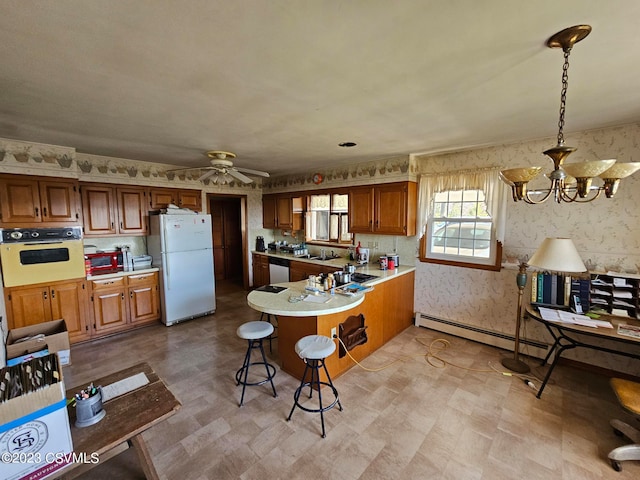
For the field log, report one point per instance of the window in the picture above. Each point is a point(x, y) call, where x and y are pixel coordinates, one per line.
point(328, 218)
point(458, 227)
point(460, 224)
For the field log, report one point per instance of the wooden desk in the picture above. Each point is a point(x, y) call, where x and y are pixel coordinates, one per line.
point(127, 416)
point(565, 339)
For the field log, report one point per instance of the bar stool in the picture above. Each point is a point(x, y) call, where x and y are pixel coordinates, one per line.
point(254, 332)
point(313, 349)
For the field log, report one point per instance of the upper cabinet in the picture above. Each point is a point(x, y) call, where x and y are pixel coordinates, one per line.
point(277, 211)
point(385, 209)
point(26, 200)
point(111, 210)
point(160, 198)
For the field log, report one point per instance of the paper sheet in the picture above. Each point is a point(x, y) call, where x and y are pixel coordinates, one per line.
point(563, 316)
point(316, 299)
point(124, 386)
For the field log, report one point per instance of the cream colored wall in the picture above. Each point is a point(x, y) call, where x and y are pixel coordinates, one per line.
point(606, 231)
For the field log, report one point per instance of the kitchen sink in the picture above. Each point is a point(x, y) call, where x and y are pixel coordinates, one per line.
point(323, 259)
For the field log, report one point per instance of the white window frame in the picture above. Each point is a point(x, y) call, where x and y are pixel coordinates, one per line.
point(485, 180)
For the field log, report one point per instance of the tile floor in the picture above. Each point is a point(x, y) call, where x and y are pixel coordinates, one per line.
point(408, 421)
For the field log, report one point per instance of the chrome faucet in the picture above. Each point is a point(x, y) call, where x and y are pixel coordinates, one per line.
point(323, 254)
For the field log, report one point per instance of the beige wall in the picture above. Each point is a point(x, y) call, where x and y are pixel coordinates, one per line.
point(606, 231)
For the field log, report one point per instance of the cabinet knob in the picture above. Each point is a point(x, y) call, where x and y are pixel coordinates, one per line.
point(44, 294)
point(122, 296)
point(53, 294)
point(44, 212)
point(37, 210)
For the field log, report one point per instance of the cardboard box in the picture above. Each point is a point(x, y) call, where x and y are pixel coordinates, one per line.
point(52, 336)
point(35, 438)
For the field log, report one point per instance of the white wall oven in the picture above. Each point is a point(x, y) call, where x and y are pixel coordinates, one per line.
point(37, 255)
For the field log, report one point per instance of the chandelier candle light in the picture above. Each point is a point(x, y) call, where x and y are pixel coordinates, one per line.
point(554, 254)
point(571, 182)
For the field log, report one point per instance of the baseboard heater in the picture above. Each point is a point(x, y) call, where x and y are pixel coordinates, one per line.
point(482, 335)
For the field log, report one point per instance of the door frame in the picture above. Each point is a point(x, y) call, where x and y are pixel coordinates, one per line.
point(243, 229)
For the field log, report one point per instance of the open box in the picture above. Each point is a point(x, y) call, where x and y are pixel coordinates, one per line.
point(52, 336)
point(35, 438)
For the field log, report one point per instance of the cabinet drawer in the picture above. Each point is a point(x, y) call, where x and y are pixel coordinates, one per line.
point(107, 283)
point(142, 279)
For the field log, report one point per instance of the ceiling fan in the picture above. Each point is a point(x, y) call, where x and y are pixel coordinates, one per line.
point(222, 169)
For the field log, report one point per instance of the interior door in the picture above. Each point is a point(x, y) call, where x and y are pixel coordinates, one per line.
point(227, 238)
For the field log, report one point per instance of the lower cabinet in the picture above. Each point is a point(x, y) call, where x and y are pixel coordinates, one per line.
point(33, 304)
point(90, 308)
point(260, 270)
point(120, 303)
point(301, 270)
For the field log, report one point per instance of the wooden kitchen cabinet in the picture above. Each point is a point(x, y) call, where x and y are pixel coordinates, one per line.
point(109, 210)
point(33, 304)
point(301, 270)
point(26, 200)
point(124, 302)
point(109, 304)
point(143, 298)
point(260, 270)
point(161, 198)
point(132, 210)
point(385, 209)
point(277, 211)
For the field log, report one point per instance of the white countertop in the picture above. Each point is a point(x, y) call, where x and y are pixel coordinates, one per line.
point(279, 304)
point(122, 274)
point(338, 263)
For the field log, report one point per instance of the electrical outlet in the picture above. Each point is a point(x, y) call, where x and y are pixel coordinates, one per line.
point(333, 332)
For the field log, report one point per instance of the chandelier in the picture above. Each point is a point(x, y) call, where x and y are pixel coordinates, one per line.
point(569, 182)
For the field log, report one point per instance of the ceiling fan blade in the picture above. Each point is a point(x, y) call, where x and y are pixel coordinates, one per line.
point(236, 174)
point(207, 174)
point(252, 172)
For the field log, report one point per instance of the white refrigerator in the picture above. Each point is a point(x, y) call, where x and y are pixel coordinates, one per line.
point(182, 247)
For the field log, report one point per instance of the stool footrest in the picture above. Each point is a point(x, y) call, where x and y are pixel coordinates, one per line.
point(298, 392)
point(240, 372)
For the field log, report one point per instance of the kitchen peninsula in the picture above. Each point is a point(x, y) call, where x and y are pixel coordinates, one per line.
point(387, 310)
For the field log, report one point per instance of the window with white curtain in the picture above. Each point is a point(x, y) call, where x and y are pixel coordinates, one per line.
point(328, 219)
point(462, 218)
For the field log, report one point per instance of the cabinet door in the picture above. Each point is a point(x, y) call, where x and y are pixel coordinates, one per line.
point(269, 211)
point(59, 201)
point(69, 301)
point(361, 210)
point(298, 271)
point(191, 199)
point(143, 298)
point(390, 207)
point(19, 200)
point(98, 210)
point(109, 310)
point(132, 210)
point(162, 197)
point(27, 306)
point(284, 212)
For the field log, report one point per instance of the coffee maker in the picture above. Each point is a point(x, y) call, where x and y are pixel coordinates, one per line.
point(260, 245)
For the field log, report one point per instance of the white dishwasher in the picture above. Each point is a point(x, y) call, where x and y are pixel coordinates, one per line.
point(278, 270)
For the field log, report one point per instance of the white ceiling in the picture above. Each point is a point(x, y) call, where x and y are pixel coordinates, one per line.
point(282, 82)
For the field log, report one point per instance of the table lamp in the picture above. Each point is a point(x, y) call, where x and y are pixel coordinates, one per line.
point(556, 254)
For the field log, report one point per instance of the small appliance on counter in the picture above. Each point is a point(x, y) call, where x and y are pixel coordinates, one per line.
point(393, 261)
point(260, 245)
point(142, 262)
point(363, 256)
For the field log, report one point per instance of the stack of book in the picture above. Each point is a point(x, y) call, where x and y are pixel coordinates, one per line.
point(559, 290)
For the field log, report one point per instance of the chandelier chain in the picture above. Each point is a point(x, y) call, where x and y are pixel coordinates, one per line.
point(563, 95)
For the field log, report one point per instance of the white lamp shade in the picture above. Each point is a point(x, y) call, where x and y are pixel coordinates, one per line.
point(559, 255)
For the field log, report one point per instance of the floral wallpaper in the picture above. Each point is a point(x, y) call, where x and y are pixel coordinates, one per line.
point(606, 233)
